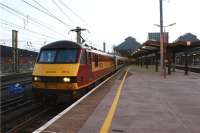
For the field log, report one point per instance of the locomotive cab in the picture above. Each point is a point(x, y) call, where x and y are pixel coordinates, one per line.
point(57, 66)
point(65, 67)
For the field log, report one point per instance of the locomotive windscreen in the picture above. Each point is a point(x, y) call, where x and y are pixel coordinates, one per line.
point(58, 56)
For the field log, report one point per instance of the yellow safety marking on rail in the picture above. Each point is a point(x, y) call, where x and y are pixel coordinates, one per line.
point(107, 122)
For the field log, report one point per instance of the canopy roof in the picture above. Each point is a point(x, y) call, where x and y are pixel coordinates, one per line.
point(152, 46)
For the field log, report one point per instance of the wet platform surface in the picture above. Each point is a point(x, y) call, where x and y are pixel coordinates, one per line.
point(148, 103)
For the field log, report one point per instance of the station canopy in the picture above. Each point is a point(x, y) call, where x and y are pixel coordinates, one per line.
point(152, 46)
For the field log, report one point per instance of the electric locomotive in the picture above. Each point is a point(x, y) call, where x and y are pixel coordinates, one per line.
point(65, 67)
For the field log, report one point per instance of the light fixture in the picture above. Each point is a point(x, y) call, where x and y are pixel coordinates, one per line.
point(66, 79)
point(36, 78)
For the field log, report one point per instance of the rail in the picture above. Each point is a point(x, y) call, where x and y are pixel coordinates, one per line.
point(37, 114)
point(23, 81)
point(13, 76)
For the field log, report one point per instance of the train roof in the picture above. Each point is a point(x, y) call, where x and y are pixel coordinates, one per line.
point(69, 44)
point(98, 52)
point(61, 44)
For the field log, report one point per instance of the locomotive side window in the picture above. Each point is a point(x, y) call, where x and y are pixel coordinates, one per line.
point(83, 59)
point(89, 58)
point(96, 60)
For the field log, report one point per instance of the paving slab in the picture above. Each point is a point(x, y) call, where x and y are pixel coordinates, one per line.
point(72, 121)
point(151, 104)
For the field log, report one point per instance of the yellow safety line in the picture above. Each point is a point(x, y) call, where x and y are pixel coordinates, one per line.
point(107, 122)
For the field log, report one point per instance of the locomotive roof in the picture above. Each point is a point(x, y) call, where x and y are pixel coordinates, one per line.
point(61, 44)
point(69, 44)
point(98, 52)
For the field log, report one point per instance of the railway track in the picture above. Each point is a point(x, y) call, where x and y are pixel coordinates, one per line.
point(23, 81)
point(15, 76)
point(9, 93)
point(18, 111)
point(28, 115)
point(38, 116)
point(14, 104)
point(26, 123)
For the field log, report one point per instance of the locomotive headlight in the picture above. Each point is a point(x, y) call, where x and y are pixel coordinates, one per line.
point(36, 78)
point(66, 79)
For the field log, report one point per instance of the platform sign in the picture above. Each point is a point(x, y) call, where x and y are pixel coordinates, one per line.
point(16, 89)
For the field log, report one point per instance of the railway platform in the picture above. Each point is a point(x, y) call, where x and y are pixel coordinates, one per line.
point(137, 101)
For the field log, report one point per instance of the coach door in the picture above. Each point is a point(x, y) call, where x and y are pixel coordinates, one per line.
point(89, 58)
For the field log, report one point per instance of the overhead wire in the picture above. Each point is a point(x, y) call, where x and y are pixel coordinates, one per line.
point(10, 40)
point(27, 35)
point(22, 28)
point(47, 13)
point(61, 10)
point(22, 15)
point(78, 16)
point(24, 43)
point(43, 7)
point(88, 38)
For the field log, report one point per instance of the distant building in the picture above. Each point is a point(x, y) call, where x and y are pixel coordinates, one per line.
point(187, 37)
point(26, 59)
point(156, 36)
point(127, 47)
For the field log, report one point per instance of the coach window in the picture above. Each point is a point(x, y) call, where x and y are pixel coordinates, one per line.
point(83, 58)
